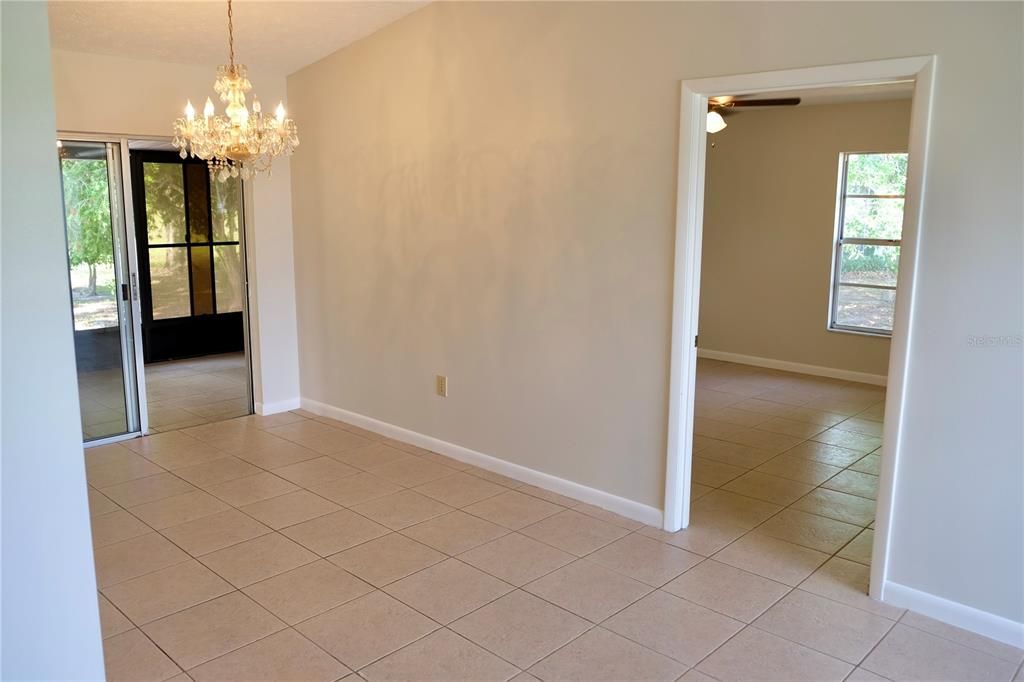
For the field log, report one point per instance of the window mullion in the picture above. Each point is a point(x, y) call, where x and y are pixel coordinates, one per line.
point(869, 242)
point(874, 196)
point(861, 285)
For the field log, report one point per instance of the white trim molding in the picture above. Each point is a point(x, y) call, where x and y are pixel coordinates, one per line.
point(112, 439)
point(798, 367)
point(963, 616)
point(278, 406)
point(599, 498)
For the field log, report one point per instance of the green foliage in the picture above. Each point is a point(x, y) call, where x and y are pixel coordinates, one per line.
point(880, 218)
point(165, 202)
point(876, 173)
point(226, 205)
point(87, 208)
point(874, 217)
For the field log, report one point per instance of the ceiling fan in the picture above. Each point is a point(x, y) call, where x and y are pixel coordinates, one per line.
point(720, 107)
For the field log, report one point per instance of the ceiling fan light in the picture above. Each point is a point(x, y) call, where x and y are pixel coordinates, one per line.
point(715, 122)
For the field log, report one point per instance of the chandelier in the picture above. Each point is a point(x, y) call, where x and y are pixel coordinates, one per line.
point(237, 142)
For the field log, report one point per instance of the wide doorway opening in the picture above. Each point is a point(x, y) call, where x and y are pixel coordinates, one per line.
point(795, 261)
point(191, 263)
point(803, 213)
point(156, 264)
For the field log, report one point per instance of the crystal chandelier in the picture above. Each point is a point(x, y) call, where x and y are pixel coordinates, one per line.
point(237, 142)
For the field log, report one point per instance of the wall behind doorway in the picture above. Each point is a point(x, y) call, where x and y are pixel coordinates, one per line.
point(769, 225)
point(122, 96)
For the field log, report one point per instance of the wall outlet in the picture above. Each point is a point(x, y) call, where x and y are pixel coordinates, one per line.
point(442, 386)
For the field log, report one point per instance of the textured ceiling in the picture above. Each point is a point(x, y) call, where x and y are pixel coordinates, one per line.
point(280, 37)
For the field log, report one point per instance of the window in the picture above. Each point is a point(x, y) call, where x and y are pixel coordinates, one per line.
point(869, 226)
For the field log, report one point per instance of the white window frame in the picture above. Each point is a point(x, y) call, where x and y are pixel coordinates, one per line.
point(839, 240)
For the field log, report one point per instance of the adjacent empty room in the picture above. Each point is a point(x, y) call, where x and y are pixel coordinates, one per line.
point(800, 254)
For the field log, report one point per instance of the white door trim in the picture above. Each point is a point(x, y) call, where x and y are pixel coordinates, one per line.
point(686, 292)
point(133, 267)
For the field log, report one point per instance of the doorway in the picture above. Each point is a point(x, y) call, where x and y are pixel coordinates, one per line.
point(690, 207)
point(156, 254)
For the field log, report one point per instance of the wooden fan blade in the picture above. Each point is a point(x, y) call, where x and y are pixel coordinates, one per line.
point(777, 102)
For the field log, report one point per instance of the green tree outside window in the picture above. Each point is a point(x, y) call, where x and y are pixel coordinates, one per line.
point(87, 208)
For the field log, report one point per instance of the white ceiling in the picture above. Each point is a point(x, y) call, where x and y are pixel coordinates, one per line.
point(279, 36)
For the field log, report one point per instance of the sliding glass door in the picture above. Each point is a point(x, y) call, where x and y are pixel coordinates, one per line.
point(97, 250)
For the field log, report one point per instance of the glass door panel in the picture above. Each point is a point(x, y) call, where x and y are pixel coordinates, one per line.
point(97, 269)
point(191, 262)
point(168, 271)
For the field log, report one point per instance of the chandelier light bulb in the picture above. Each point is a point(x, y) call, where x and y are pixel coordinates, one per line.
point(208, 110)
point(190, 111)
point(279, 113)
point(256, 108)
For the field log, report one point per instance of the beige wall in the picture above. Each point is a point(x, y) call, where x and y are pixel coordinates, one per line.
point(122, 96)
point(769, 222)
point(488, 190)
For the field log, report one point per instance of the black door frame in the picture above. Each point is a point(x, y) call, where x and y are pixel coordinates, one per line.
point(194, 335)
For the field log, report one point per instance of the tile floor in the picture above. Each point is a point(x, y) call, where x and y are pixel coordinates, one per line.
point(294, 547)
point(101, 401)
point(183, 393)
point(179, 393)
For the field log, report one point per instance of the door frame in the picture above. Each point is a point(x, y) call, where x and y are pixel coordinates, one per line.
point(124, 141)
point(216, 326)
point(686, 286)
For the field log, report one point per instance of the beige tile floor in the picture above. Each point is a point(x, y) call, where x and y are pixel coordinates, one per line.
point(294, 547)
point(183, 393)
point(179, 393)
point(102, 404)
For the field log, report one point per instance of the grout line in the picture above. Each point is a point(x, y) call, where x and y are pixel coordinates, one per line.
point(890, 625)
point(875, 646)
point(958, 642)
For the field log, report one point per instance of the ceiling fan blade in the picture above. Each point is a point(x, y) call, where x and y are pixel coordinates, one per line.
point(777, 102)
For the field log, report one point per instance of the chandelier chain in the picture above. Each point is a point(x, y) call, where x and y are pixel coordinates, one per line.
point(231, 37)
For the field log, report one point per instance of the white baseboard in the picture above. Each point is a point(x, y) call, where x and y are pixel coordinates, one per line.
point(963, 616)
point(279, 406)
point(620, 505)
point(798, 367)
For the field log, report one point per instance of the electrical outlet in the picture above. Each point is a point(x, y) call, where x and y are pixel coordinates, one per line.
point(442, 386)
